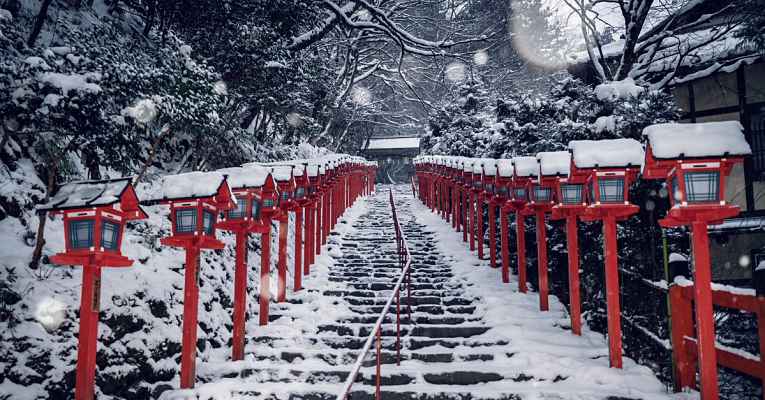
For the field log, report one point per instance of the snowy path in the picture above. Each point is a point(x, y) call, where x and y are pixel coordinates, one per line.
point(472, 336)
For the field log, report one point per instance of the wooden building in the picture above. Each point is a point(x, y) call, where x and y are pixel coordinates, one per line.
point(394, 156)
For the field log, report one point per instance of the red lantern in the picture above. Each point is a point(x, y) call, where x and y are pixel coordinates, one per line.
point(526, 169)
point(489, 177)
point(502, 197)
point(285, 182)
point(611, 166)
point(195, 200)
point(247, 183)
point(552, 165)
point(95, 213)
point(695, 160)
point(571, 203)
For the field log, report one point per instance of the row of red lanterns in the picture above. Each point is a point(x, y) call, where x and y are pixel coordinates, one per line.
point(591, 182)
point(242, 200)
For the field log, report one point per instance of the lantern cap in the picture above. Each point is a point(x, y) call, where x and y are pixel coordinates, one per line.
point(193, 185)
point(526, 166)
point(95, 193)
point(554, 163)
point(467, 165)
point(281, 173)
point(505, 168)
point(609, 153)
point(251, 176)
point(706, 139)
point(489, 166)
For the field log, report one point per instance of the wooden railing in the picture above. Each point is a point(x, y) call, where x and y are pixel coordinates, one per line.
point(375, 336)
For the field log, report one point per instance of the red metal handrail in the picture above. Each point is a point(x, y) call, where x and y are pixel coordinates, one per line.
point(405, 262)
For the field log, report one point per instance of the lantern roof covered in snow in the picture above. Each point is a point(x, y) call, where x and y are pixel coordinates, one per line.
point(252, 176)
point(281, 173)
point(196, 185)
point(526, 166)
point(489, 166)
point(608, 153)
point(505, 168)
point(96, 193)
point(467, 165)
point(697, 140)
point(554, 163)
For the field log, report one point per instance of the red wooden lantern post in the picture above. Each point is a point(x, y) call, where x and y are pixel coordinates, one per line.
point(502, 198)
point(285, 182)
point(611, 166)
point(526, 168)
point(489, 177)
point(247, 184)
point(551, 166)
point(478, 194)
point(313, 196)
point(195, 200)
point(453, 191)
point(95, 214)
point(470, 181)
point(467, 186)
point(320, 195)
point(301, 202)
point(570, 204)
point(694, 160)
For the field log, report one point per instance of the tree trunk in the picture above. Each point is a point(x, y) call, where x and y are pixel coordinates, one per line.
point(40, 237)
point(39, 21)
point(152, 152)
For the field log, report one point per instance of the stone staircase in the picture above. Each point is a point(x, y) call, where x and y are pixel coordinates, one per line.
point(448, 350)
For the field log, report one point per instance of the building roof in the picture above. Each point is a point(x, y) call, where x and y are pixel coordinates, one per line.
point(393, 143)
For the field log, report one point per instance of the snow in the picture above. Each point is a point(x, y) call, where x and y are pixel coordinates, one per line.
point(760, 266)
point(70, 82)
point(185, 50)
point(394, 143)
point(707, 139)
point(505, 167)
point(675, 257)
point(605, 124)
point(5, 15)
point(245, 177)
point(144, 111)
point(467, 165)
point(615, 90)
point(50, 313)
point(554, 163)
point(274, 64)
point(685, 282)
point(86, 194)
point(489, 166)
point(191, 185)
point(526, 166)
point(281, 172)
point(608, 153)
point(37, 62)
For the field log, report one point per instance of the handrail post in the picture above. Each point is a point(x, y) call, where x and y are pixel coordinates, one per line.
point(378, 395)
point(398, 327)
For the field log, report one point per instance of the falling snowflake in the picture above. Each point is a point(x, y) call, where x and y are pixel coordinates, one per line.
point(744, 260)
point(456, 72)
point(481, 57)
point(50, 313)
point(361, 95)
